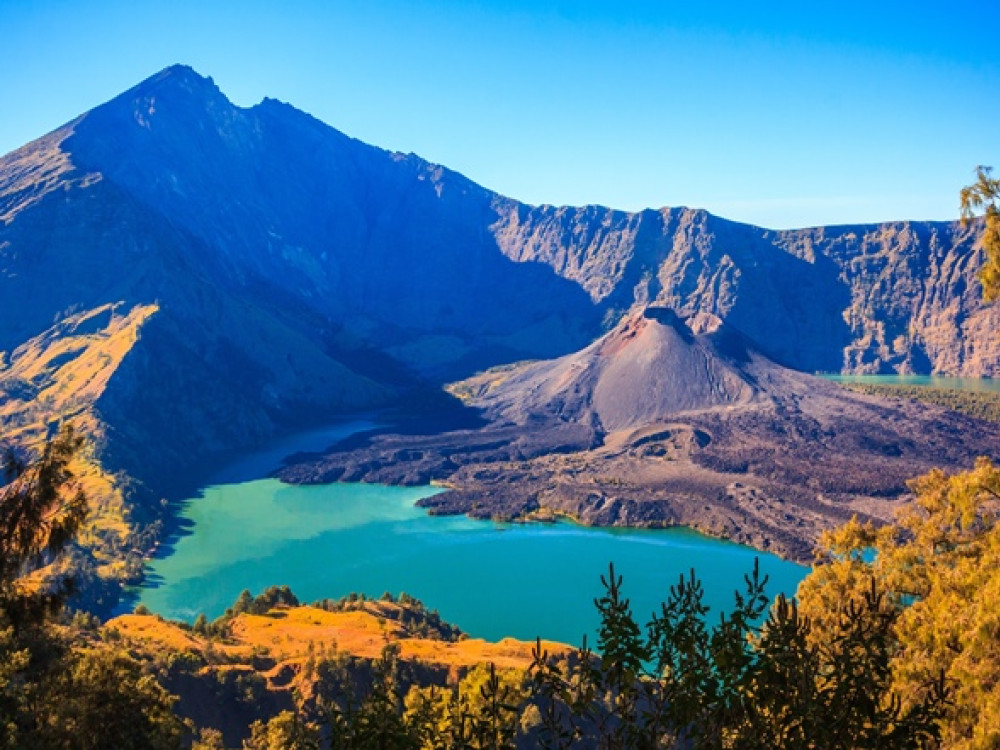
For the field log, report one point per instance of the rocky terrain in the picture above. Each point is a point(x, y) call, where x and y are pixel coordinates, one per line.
point(669, 421)
point(241, 272)
point(899, 297)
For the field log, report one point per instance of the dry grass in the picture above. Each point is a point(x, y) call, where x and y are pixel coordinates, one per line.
point(57, 377)
point(483, 383)
point(290, 636)
point(33, 171)
point(983, 405)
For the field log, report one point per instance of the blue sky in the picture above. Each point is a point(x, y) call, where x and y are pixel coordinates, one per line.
point(797, 115)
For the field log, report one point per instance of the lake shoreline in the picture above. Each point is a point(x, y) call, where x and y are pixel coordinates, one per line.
point(491, 580)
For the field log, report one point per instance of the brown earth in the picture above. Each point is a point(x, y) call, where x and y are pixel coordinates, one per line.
point(668, 421)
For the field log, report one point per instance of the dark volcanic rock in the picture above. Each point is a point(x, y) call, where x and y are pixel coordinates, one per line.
point(666, 421)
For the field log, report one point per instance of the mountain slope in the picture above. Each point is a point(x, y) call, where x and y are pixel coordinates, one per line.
point(297, 274)
point(286, 261)
point(898, 297)
point(342, 228)
point(666, 420)
point(649, 366)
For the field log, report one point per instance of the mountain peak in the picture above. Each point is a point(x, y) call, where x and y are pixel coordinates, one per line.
point(178, 75)
point(164, 114)
point(179, 70)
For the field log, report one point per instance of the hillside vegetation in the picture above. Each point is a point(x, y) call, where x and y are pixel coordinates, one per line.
point(983, 405)
point(59, 377)
point(890, 651)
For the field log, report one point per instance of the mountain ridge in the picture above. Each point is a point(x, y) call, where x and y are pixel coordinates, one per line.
point(685, 258)
point(299, 274)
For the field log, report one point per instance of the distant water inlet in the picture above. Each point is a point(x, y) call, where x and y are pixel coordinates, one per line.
point(490, 579)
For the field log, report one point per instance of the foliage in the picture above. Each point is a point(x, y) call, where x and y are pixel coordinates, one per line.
point(984, 195)
point(57, 690)
point(482, 711)
point(983, 405)
point(40, 511)
point(760, 678)
point(101, 698)
point(246, 603)
point(939, 569)
point(738, 685)
point(286, 731)
point(415, 617)
point(374, 719)
point(209, 739)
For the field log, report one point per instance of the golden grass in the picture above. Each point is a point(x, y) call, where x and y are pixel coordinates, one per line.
point(290, 636)
point(33, 171)
point(62, 372)
point(159, 634)
point(983, 405)
point(483, 383)
point(57, 377)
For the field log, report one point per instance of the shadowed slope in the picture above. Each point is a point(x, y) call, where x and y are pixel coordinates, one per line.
point(289, 205)
point(894, 297)
point(299, 274)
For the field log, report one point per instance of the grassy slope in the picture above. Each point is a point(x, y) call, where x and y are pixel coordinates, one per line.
point(280, 642)
point(983, 405)
point(57, 377)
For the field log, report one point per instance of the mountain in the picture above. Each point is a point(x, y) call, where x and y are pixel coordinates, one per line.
point(665, 421)
point(650, 366)
point(898, 297)
point(189, 278)
point(297, 273)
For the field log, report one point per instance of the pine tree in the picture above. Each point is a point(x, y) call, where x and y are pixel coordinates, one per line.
point(984, 195)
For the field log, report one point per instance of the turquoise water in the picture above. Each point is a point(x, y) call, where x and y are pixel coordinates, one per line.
point(965, 384)
point(490, 579)
point(260, 463)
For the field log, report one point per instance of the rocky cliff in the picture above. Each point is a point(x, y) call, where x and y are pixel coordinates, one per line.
point(294, 273)
point(900, 297)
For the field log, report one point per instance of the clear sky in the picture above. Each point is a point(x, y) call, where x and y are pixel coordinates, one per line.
point(801, 114)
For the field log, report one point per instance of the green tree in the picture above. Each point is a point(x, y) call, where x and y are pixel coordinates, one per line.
point(742, 684)
point(376, 719)
point(939, 567)
point(286, 731)
point(59, 687)
point(101, 698)
point(480, 712)
point(984, 195)
point(41, 509)
point(209, 739)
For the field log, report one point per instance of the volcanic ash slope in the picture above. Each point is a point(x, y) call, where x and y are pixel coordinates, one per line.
point(671, 421)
